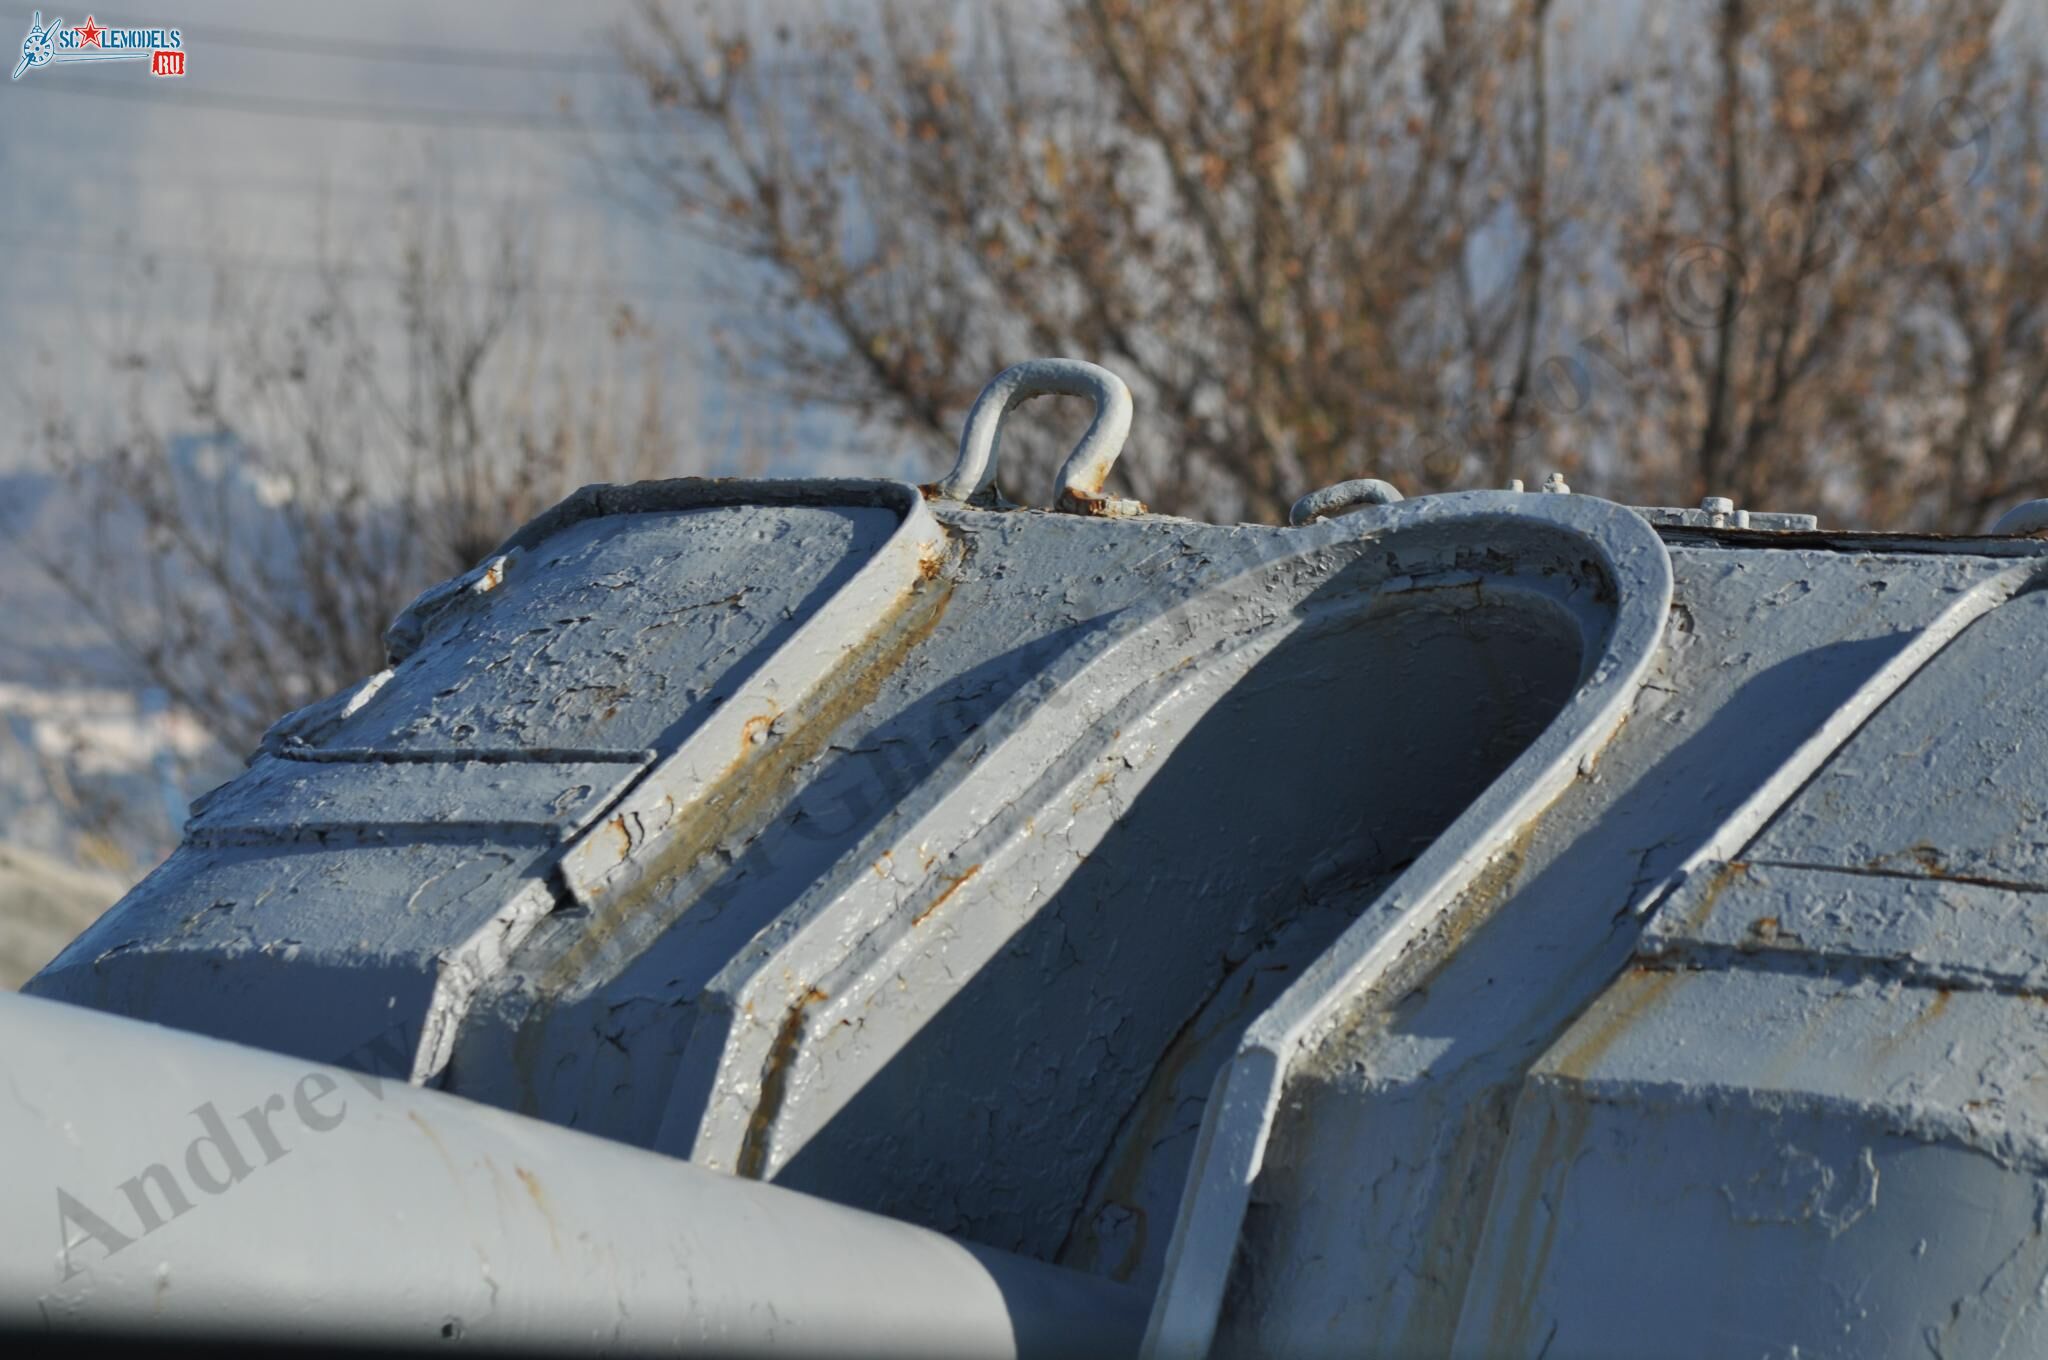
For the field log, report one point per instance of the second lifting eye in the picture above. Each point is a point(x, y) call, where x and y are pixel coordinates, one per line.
point(1342, 498)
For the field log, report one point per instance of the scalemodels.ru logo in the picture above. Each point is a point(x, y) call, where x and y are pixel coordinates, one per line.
point(60, 45)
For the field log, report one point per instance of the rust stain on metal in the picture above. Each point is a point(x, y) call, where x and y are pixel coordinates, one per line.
point(540, 1202)
point(1632, 997)
point(1512, 1324)
point(753, 1158)
point(1476, 1148)
point(1119, 1182)
point(755, 730)
point(1933, 1011)
point(1486, 892)
point(952, 882)
point(1096, 507)
point(1922, 854)
point(757, 779)
point(1930, 862)
point(1727, 873)
point(1483, 895)
point(434, 1138)
point(1489, 888)
point(1102, 781)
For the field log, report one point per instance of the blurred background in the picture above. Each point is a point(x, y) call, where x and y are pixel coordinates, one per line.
point(290, 338)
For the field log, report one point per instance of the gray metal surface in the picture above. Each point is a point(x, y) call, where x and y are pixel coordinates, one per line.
point(386, 853)
point(1480, 924)
point(1870, 1110)
point(1344, 496)
point(169, 1186)
point(1394, 1118)
point(2028, 517)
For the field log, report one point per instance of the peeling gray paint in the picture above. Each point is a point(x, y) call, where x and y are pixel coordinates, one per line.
point(1357, 937)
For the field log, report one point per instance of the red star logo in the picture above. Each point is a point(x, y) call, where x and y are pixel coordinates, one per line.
point(88, 33)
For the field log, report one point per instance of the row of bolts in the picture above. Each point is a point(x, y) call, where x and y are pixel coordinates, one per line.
point(1720, 509)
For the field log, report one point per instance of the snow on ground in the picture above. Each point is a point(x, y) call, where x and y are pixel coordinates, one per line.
point(95, 769)
point(46, 903)
point(94, 783)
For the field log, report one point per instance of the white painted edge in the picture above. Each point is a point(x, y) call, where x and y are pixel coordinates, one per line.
point(593, 866)
point(1246, 1097)
point(588, 867)
point(1030, 737)
point(462, 971)
point(1742, 825)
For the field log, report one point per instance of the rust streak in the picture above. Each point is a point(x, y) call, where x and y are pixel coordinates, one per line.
point(952, 882)
point(756, 780)
point(1096, 507)
point(1729, 871)
point(1626, 1003)
point(1934, 1010)
point(540, 1202)
point(753, 1158)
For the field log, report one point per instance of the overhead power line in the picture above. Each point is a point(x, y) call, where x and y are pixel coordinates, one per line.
point(492, 58)
point(431, 54)
point(291, 106)
point(503, 120)
point(642, 292)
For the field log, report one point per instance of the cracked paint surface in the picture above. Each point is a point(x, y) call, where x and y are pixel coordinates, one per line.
point(936, 860)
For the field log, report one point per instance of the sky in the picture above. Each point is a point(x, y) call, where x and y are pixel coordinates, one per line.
point(294, 123)
point(288, 108)
point(296, 119)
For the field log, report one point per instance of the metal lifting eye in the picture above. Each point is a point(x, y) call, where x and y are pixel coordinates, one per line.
point(2028, 517)
point(1081, 476)
point(1335, 500)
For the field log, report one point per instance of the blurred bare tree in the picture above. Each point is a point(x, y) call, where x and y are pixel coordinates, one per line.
point(278, 481)
point(1787, 252)
point(1843, 224)
point(1257, 212)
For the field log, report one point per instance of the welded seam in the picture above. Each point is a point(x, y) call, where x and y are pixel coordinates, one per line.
point(466, 969)
point(1792, 959)
point(1811, 756)
point(1869, 871)
point(561, 755)
point(1246, 1098)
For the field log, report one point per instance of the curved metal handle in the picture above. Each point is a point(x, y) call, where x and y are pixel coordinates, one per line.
point(1081, 476)
point(1335, 500)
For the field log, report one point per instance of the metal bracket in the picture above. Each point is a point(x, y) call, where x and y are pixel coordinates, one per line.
point(1719, 512)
